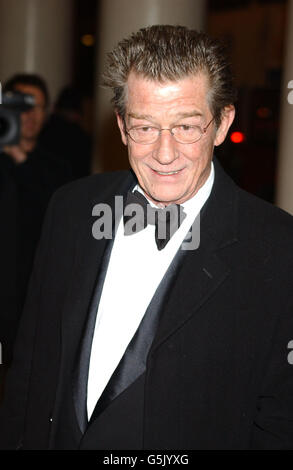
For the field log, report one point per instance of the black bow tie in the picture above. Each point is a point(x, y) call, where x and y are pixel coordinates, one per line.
point(136, 217)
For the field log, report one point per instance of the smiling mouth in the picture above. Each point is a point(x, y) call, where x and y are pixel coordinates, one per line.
point(167, 173)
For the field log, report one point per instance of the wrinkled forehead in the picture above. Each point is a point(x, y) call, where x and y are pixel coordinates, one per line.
point(189, 91)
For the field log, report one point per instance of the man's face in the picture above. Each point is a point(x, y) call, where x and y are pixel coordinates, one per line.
point(168, 171)
point(32, 120)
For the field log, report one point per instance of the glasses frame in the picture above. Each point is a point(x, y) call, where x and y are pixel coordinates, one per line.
point(202, 130)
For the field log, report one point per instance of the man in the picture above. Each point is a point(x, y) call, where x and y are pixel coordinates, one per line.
point(32, 120)
point(28, 176)
point(130, 343)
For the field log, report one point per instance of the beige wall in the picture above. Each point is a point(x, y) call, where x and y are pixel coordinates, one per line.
point(36, 36)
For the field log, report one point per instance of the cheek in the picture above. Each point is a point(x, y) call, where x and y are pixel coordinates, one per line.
point(203, 152)
point(197, 160)
point(137, 154)
point(40, 118)
point(134, 160)
point(23, 118)
point(194, 155)
point(40, 124)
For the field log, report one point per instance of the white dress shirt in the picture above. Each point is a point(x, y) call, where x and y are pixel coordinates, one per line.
point(136, 267)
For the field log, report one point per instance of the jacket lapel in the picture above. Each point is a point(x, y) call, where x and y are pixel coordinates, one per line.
point(80, 373)
point(82, 294)
point(202, 270)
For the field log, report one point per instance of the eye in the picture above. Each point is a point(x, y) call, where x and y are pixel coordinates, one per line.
point(145, 129)
point(185, 128)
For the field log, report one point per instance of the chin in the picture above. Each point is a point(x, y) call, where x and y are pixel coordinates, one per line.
point(166, 197)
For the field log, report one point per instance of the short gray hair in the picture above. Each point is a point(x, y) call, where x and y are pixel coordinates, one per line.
point(166, 52)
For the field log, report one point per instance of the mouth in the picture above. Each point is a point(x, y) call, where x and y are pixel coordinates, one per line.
point(167, 173)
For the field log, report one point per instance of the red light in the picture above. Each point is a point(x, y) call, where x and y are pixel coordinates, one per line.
point(237, 137)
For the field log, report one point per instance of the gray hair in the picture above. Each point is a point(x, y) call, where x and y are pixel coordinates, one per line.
point(170, 53)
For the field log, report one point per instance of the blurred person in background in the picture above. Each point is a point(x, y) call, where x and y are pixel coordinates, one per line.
point(32, 120)
point(63, 134)
point(28, 177)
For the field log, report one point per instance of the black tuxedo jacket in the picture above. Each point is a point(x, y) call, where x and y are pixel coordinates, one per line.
point(219, 374)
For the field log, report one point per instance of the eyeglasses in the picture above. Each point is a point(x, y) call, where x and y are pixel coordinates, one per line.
point(183, 133)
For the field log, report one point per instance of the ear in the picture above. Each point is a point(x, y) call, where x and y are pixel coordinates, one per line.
point(120, 123)
point(228, 115)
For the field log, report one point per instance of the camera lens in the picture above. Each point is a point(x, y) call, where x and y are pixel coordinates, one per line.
point(9, 127)
point(3, 126)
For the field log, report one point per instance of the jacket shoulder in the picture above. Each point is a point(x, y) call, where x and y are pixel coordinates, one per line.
point(93, 184)
point(264, 215)
point(266, 227)
point(94, 187)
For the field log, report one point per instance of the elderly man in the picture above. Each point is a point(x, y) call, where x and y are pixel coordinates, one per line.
point(137, 339)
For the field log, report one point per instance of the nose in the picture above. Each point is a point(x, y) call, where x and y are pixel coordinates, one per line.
point(166, 151)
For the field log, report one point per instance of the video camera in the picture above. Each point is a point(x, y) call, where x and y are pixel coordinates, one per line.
point(13, 104)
